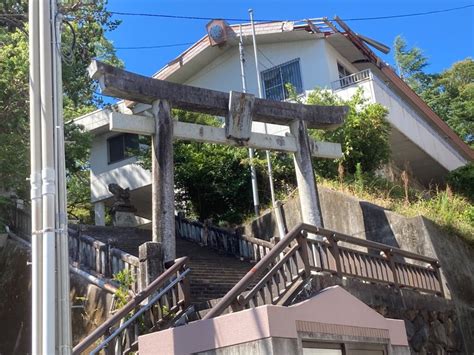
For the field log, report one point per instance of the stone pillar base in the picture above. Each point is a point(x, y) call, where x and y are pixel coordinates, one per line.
point(124, 219)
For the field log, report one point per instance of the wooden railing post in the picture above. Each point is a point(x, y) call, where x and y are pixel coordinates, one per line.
point(107, 261)
point(436, 267)
point(151, 263)
point(185, 289)
point(335, 253)
point(304, 253)
point(390, 257)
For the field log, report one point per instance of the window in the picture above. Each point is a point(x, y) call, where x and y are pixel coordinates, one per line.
point(313, 348)
point(122, 146)
point(275, 79)
point(342, 71)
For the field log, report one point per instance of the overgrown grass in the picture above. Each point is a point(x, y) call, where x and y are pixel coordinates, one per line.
point(452, 212)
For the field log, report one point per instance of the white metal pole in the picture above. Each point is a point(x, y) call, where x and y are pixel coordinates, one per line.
point(49, 180)
point(253, 173)
point(35, 180)
point(63, 306)
point(281, 228)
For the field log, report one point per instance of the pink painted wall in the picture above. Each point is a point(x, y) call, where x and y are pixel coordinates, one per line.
point(333, 306)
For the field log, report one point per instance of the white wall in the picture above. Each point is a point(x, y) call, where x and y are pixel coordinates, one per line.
point(125, 172)
point(411, 124)
point(224, 72)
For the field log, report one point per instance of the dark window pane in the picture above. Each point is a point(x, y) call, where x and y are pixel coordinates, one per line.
point(122, 146)
point(275, 80)
point(116, 148)
point(131, 141)
point(342, 71)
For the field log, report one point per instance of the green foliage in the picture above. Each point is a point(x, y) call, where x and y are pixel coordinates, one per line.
point(359, 178)
point(452, 212)
point(125, 280)
point(461, 181)
point(410, 63)
point(451, 96)
point(363, 136)
point(450, 93)
point(213, 181)
point(90, 23)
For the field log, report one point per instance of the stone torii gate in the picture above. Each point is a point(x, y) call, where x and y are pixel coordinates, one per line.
point(239, 110)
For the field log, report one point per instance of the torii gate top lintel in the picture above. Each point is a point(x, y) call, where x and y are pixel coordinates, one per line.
point(239, 110)
point(130, 86)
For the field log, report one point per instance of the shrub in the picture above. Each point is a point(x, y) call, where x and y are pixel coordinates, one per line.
point(461, 180)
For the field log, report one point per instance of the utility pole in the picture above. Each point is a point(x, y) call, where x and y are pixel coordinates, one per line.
point(51, 323)
point(35, 180)
point(253, 173)
point(276, 208)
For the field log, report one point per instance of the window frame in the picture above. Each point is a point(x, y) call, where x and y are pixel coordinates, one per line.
point(299, 90)
point(340, 65)
point(124, 147)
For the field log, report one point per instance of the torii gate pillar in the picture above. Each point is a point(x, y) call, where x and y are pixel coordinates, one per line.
point(163, 228)
point(307, 190)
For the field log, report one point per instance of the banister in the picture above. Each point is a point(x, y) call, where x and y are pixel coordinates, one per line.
point(139, 298)
point(260, 242)
point(367, 243)
point(241, 299)
point(232, 295)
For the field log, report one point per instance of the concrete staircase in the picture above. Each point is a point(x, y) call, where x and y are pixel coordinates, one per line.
point(212, 274)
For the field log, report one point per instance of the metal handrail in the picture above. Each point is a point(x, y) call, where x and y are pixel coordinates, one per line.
point(132, 304)
point(150, 304)
point(351, 79)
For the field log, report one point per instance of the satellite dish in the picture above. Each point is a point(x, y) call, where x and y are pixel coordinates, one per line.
point(377, 45)
point(217, 32)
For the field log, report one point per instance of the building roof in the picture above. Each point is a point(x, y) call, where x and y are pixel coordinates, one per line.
point(339, 36)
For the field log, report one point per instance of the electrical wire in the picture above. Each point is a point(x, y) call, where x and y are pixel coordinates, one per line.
point(157, 46)
point(68, 55)
point(268, 59)
point(182, 17)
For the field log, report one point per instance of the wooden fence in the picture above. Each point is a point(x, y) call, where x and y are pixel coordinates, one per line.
point(101, 258)
point(222, 240)
point(19, 221)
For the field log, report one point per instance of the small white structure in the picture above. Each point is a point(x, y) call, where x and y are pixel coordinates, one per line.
point(307, 54)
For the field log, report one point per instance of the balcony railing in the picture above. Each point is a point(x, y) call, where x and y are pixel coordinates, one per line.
point(351, 79)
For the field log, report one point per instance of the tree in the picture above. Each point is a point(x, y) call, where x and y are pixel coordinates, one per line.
point(450, 93)
point(451, 96)
point(83, 39)
point(364, 136)
point(213, 181)
point(410, 64)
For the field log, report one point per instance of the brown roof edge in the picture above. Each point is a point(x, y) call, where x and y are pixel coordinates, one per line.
point(412, 96)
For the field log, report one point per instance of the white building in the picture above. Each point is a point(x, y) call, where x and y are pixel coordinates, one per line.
point(308, 54)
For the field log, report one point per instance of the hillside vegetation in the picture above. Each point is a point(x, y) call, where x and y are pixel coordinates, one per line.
point(452, 211)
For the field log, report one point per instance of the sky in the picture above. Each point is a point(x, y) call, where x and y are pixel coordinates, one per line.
point(444, 37)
